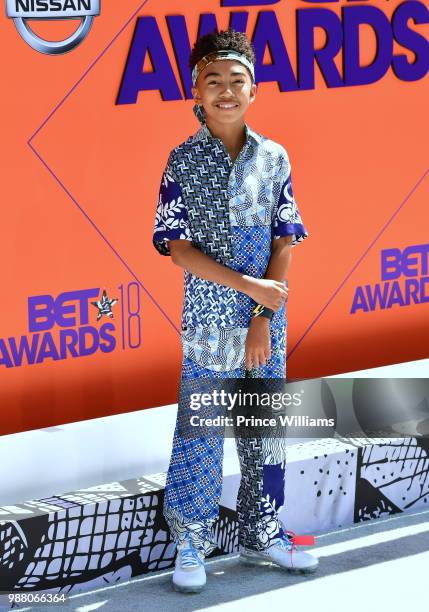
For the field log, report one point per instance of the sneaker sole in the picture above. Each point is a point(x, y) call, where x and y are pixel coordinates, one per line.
point(188, 589)
point(247, 560)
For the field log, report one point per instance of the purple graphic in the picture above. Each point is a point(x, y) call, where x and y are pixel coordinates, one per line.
point(411, 262)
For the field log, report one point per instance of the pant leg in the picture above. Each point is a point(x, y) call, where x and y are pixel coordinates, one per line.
point(194, 478)
point(262, 463)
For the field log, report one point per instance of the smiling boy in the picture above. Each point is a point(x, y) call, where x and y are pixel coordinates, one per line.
point(227, 216)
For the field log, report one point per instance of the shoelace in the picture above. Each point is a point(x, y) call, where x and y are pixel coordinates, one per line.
point(288, 542)
point(190, 557)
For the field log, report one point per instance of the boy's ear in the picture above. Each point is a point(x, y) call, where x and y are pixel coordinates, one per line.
point(253, 90)
point(195, 93)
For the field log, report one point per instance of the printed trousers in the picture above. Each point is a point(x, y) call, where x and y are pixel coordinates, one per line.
point(194, 477)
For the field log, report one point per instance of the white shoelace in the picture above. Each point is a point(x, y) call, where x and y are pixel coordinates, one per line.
point(284, 542)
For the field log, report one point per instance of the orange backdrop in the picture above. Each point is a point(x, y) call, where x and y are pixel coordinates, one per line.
point(79, 202)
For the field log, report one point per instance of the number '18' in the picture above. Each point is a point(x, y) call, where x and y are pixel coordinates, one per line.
point(131, 320)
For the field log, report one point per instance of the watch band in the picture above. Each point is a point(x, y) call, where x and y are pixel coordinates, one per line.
point(262, 311)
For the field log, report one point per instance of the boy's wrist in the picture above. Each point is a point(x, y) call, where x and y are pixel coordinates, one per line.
point(261, 321)
point(246, 283)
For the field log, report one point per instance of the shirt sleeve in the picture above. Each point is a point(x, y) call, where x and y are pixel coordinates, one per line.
point(171, 221)
point(287, 218)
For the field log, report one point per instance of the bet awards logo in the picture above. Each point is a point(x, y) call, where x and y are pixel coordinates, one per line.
point(75, 324)
point(22, 10)
point(404, 281)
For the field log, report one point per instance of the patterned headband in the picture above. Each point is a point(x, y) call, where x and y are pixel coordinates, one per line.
point(215, 56)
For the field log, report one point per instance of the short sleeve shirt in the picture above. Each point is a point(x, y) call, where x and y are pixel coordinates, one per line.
point(231, 211)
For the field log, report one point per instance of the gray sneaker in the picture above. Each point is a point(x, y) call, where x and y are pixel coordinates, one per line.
point(189, 574)
point(283, 553)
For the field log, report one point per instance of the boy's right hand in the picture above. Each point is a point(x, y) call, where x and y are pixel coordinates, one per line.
point(270, 293)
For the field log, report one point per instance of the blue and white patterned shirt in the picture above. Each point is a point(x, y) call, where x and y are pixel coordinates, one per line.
point(231, 211)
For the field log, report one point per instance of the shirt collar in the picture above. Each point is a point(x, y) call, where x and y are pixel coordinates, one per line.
point(205, 134)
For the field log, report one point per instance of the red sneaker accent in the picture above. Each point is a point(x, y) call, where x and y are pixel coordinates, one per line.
point(303, 540)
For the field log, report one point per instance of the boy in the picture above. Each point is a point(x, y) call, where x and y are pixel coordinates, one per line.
point(227, 215)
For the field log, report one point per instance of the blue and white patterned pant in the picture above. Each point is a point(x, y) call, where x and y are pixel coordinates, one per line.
point(194, 478)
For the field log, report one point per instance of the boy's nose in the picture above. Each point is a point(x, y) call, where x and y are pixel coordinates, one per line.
point(227, 89)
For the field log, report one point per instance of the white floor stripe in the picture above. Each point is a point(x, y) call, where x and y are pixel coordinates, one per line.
point(91, 607)
point(390, 585)
point(370, 540)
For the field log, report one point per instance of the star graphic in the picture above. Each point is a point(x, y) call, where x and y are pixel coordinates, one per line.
point(104, 306)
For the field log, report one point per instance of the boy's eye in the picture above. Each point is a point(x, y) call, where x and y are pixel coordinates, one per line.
point(215, 82)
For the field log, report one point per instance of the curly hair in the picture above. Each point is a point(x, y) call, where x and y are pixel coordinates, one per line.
point(225, 39)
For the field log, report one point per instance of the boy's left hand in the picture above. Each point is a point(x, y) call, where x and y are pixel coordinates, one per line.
point(258, 346)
